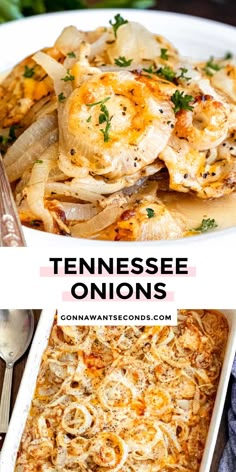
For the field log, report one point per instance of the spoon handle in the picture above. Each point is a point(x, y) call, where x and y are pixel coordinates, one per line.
point(10, 228)
point(6, 399)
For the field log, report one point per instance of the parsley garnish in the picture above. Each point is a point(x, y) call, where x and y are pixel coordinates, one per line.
point(211, 66)
point(38, 161)
point(150, 70)
point(12, 134)
point(104, 117)
point(228, 55)
point(71, 54)
point(68, 76)
point(101, 102)
point(206, 225)
point(164, 54)
point(4, 140)
point(122, 61)
point(61, 97)
point(118, 22)
point(29, 72)
point(182, 75)
point(181, 101)
point(150, 212)
point(167, 73)
point(89, 119)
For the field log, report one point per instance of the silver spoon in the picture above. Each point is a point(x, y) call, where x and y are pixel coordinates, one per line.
point(16, 330)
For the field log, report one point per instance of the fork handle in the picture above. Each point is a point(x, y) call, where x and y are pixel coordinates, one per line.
point(6, 399)
point(10, 228)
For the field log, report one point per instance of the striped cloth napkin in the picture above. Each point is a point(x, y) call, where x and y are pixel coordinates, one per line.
point(228, 460)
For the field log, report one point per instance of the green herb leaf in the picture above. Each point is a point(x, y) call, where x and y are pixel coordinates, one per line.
point(89, 119)
point(164, 54)
point(119, 20)
point(4, 140)
point(38, 161)
point(68, 76)
point(104, 117)
point(61, 97)
point(150, 212)
point(181, 101)
point(166, 73)
point(122, 61)
point(182, 75)
point(29, 72)
point(149, 70)
point(211, 66)
point(228, 55)
point(101, 102)
point(71, 54)
point(206, 225)
point(105, 132)
point(12, 135)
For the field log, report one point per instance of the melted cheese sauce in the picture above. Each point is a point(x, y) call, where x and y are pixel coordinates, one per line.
point(223, 210)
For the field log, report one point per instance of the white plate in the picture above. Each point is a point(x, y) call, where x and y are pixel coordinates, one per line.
point(27, 387)
point(195, 37)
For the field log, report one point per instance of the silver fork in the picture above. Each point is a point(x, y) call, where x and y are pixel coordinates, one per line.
point(11, 234)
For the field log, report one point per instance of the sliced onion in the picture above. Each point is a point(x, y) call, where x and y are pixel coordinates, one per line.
point(69, 40)
point(33, 134)
point(109, 451)
point(32, 154)
point(76, 419)
point(99, 222)
point(79, 211)
point(55, 70)
point(99, 46)
point(134, 42)
point(71, 190)
point(36, 186)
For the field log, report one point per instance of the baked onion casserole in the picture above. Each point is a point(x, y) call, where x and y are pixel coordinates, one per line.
point(128, 399)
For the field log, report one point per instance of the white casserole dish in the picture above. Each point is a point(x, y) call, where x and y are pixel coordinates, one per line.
point(26, 391)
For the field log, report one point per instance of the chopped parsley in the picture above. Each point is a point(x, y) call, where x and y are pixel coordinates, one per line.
point(104, 117)
point(164, 54)
point(149, 70)
point(71, 54)
point(181, 101)
point(61, 97)
point(122, 61)
point(211, 66)
point(228, 55)
point(166, 73)
point(38, 161)
point(68, 76)
point(29, 72)
point(206, 225)
point(12, 135)
point(4, 140)
point(150, 212)
point(182, 75)
point(89, 119)
point(119, 20)
point(101, 102)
